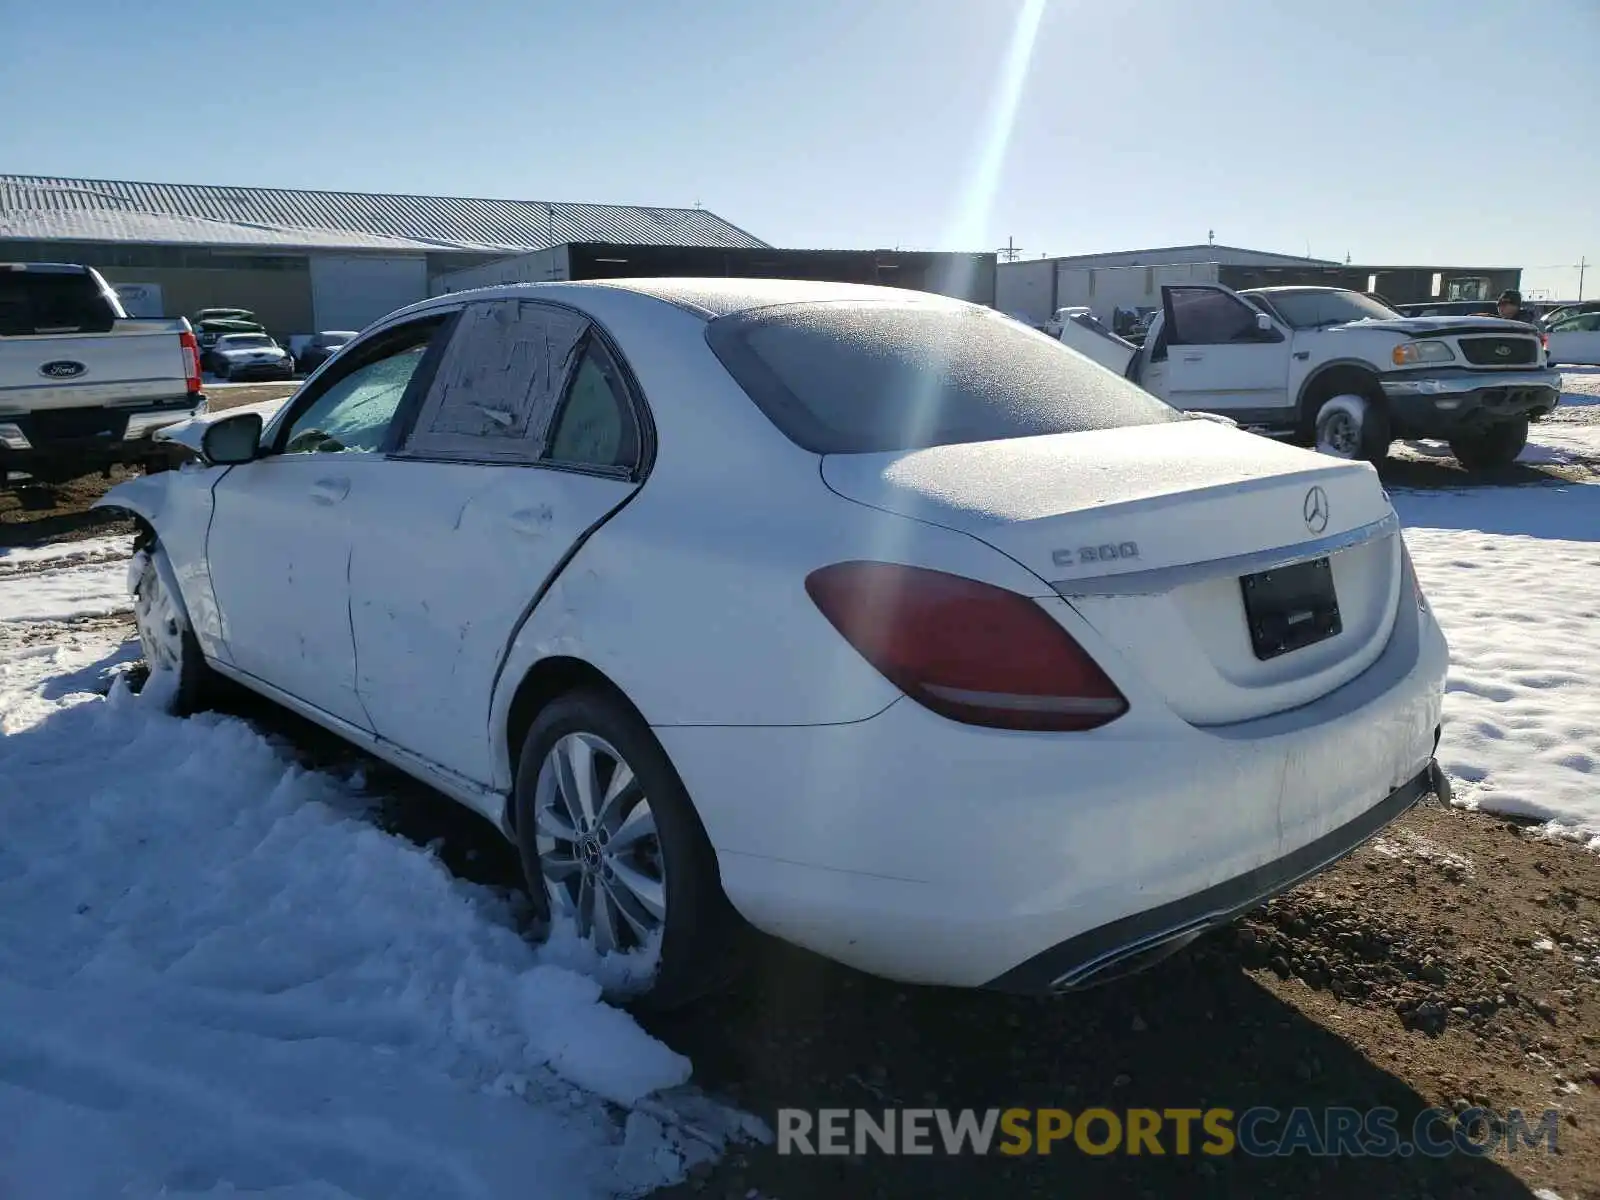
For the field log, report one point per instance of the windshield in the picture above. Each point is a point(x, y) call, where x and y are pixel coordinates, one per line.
point(869, 375)
point(246, 341)
point(1312, 309)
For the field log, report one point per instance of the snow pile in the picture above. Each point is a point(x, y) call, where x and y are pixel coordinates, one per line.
point(1514, 576)
point(216, 976)
point(71, 579)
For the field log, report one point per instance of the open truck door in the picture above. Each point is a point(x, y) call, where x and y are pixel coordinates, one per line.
point(1214, 352)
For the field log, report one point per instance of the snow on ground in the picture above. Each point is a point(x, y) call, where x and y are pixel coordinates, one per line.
point(1514, 576)
point(68, 579)
point(217, 976)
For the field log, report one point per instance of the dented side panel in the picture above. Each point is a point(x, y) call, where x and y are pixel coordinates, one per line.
point(446, 559)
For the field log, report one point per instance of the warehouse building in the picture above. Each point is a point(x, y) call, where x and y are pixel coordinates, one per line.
point(305, 260)
point(965, 276)
point(1130, 281)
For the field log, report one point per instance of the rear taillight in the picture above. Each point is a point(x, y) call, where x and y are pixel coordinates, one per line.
point(969, 651)
point(191, 361)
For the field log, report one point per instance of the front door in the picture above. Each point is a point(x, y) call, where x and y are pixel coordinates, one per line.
point(279, 543)
point(528, 441)
point(1220, 358)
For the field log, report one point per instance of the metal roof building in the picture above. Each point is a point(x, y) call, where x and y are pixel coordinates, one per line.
point(305, 260)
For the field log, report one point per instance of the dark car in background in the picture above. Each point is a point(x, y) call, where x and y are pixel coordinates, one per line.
point(320, 347)
point(1449, 308)
point(242, 356)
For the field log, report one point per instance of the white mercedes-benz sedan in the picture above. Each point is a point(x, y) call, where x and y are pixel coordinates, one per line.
point(874, 619)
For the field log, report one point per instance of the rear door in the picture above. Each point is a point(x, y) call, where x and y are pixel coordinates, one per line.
point(528, 440)
point(279, 543)
point(1218, 358)
point(1576, 339)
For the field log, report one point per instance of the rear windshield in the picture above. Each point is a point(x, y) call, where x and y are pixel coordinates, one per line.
point(250, 341)
point(858, 376)
point(34, 302)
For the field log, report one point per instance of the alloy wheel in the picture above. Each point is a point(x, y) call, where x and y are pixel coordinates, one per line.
point(160, 634)
point(598, 848)
point(1339, 435)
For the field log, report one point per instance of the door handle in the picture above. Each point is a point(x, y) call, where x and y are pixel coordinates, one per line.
point(330, 491)
point(1194, 358)
point(531, 522)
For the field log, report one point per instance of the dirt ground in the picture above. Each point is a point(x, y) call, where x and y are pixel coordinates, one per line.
point(1453, 962)
point(31, 516)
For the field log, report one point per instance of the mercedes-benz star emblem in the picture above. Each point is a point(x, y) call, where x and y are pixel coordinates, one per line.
point(1315, 510)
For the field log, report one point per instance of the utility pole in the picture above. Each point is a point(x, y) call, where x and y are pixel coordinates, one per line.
point(1010, 252)
point(1583, 265)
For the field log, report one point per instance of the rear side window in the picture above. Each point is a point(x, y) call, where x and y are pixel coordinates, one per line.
point(859, 376)
point(33, 302)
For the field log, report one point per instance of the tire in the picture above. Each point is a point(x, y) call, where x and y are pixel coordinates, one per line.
point(659, 893)
point(220, 370)
point(165, 636)
point(1496, 446)
point(1352, 427)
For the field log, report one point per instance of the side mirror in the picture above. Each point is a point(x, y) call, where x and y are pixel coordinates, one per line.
point(232, 440)
point(1264, 323)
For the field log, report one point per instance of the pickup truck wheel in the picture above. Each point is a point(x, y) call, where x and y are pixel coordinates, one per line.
point(1496, 446)
point(1351, 426)
point(165, 636)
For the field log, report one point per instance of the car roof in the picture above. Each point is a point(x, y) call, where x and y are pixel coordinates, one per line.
point(709, 297)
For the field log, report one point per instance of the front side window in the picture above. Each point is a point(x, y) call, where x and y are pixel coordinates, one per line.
point(354, 414)
point(1205, 317)
point(861, 376)
point(1582, 323)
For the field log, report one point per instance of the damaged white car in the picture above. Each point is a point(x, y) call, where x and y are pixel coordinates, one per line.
point(869, 617)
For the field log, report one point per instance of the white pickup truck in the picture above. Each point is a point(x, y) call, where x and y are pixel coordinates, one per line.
point(82, 385)
point(1344, 372)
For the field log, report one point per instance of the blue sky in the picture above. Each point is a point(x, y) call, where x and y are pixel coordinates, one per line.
point(1398, 131)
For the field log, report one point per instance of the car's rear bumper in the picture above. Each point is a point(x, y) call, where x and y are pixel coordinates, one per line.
point(1440, 404)
point(933, 852)
point(1106, 951)
point(63, 443)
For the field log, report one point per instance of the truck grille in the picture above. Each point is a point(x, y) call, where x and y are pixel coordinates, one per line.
point(1499, 351)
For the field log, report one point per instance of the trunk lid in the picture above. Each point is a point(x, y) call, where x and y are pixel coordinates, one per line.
point(1148, 532)
point(138, 362)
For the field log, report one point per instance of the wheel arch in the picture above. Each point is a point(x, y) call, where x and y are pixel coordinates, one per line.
point(546, 681)
point(1333, 378)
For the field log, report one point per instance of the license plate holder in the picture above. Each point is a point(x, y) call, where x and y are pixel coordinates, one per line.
point(1289, 608)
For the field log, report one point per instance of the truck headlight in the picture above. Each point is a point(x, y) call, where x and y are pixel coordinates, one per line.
point(1411, 354)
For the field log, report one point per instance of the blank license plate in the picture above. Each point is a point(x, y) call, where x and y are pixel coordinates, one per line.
point(1290, 607)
